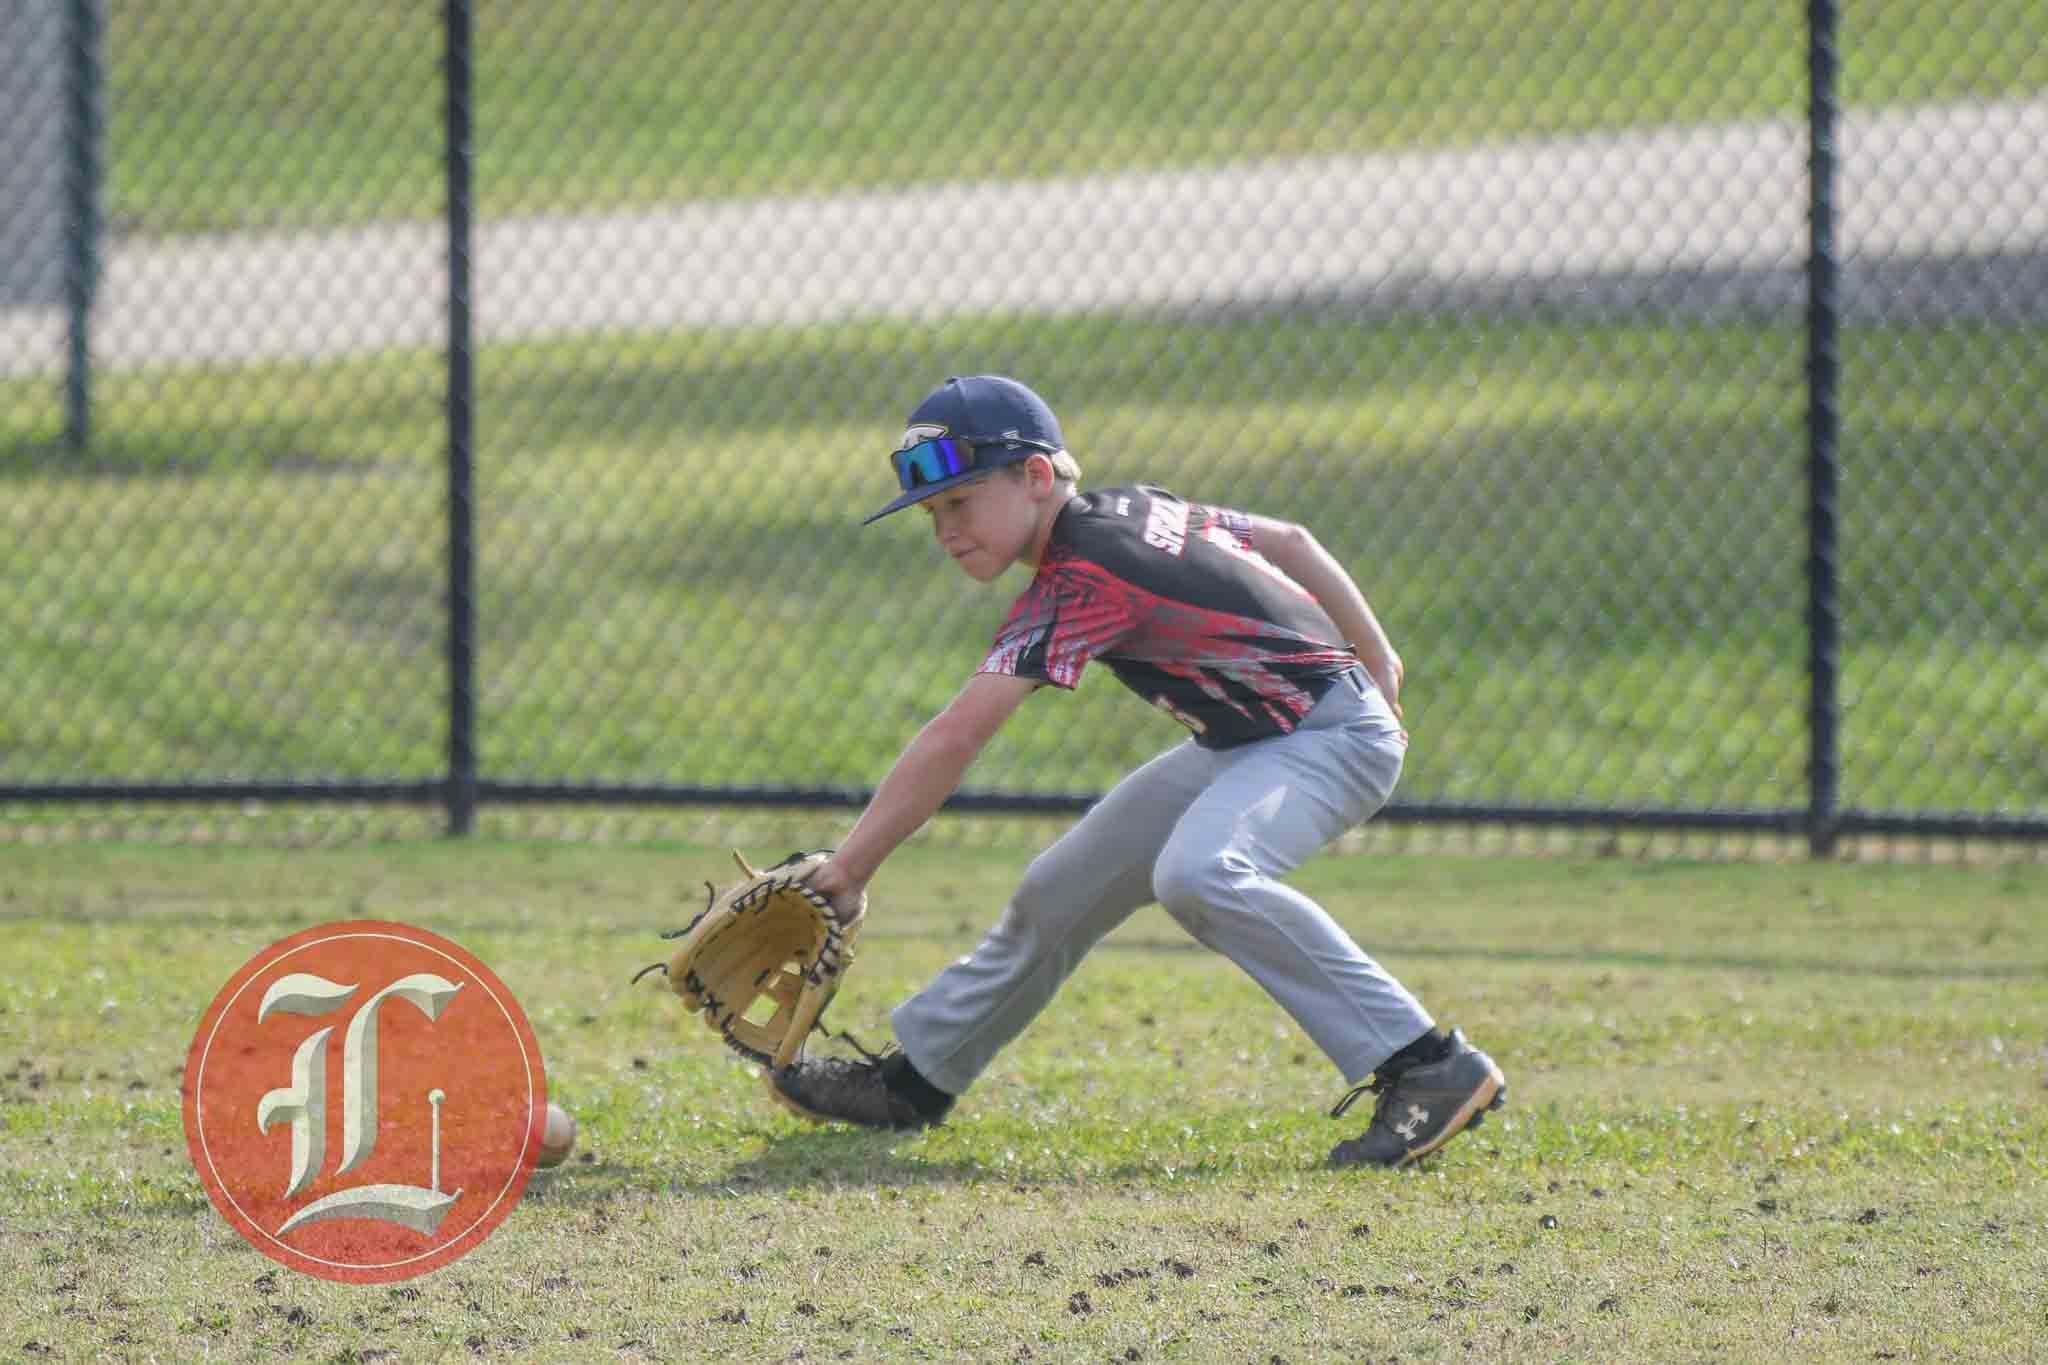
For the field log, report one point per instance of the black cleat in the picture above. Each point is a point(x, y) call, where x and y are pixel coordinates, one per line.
point(1422, 1107)
point(835, 1090)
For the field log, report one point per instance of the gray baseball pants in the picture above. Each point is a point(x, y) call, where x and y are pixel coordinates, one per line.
point(1206, 834)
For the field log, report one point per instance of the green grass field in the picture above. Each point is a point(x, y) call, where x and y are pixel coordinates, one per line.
point(1587, 540)
point(1757, 1112)
point(271, 112)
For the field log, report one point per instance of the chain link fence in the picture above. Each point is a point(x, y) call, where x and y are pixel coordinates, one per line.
point(363, 470)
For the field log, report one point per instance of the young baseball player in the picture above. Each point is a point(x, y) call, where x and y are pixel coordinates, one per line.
point(1246, 631)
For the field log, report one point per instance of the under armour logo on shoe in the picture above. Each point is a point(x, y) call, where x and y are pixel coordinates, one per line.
point(1408, 1128)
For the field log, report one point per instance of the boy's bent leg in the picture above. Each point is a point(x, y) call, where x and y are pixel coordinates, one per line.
point(1086, 884)
point(1272, 805)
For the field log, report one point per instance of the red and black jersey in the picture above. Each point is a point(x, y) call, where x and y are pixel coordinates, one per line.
point(1172, 597)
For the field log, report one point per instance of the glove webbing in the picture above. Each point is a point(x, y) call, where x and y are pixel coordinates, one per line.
point(828, 960)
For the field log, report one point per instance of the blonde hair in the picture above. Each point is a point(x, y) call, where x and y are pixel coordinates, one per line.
point(1065, 468)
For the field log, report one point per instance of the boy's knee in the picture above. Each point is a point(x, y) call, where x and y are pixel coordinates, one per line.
point(1039, 886)
point(1190, 884)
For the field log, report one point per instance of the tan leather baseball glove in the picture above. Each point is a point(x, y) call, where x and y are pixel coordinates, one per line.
point(762, 960)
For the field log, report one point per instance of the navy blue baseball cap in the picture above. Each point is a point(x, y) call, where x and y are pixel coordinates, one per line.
point(962, 430)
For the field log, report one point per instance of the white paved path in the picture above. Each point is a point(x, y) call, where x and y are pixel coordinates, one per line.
point(1943, 210)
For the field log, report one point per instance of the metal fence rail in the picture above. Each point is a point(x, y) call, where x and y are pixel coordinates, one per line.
point(477, 407)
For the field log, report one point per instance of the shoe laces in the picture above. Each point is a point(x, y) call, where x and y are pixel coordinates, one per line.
point(1376, 1084)
point(873, 1058)
point(1380, 1083)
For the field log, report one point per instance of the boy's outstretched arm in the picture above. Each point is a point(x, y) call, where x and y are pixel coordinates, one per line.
point(924, 775)
point(1294, 550)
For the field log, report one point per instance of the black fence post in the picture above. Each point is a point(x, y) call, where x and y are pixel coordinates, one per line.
point(459, 169)
point(82, 105)
point(1823, 431)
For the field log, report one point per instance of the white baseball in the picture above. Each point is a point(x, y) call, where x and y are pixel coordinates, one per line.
point(557, 1139)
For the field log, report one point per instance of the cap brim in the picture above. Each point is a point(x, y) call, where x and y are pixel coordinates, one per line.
point(928, 490)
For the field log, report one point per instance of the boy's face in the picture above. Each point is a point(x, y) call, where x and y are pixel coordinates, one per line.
point(988, 524)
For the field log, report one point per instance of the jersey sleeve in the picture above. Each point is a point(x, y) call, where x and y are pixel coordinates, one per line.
point(1071, 613)
point(1228, 521)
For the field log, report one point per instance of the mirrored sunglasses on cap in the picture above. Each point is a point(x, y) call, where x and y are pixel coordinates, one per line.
point(948, 457)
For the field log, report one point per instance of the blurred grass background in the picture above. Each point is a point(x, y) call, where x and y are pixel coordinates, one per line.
point(1586, 539)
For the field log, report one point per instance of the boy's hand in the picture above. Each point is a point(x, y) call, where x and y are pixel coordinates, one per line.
point(1388, 681)
point(1386, 675)
point(849, 897)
